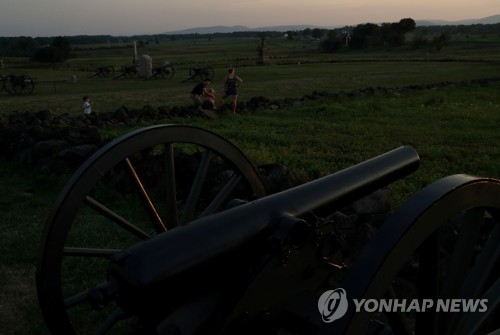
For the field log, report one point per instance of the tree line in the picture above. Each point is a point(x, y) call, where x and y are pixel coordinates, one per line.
point(367, 35)
point(42, 49)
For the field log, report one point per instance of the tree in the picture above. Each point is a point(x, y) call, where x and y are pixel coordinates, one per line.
point(365, 35)
point(419, 41)
point(290, 35)
point(317, 33)
point(388, 34)
point(331, 43)
point(392, 34)
point(307, 32)
point(440, 41)
point(407, 25)
point(58, 51)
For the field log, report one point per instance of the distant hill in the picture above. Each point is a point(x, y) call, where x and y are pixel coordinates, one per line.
point(485, 20)
point(210, 30)
point(230, 29)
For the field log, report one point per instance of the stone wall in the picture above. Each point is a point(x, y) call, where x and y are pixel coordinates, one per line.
point(56, 144)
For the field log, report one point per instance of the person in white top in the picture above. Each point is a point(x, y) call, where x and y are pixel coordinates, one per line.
point(87, 108)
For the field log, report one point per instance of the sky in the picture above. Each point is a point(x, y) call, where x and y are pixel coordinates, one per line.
point(136, 17)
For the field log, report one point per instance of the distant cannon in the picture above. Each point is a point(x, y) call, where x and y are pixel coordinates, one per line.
point(127, 71)
point(165, 71)
point(103, 71)
point(167, 230)
point(200, 73)
point(18, 84)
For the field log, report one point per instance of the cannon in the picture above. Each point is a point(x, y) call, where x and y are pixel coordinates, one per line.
point(168, 230)
point(127, 71)
point(103, 71)
point(18, 84)
point(165, 71)
point(200, 73)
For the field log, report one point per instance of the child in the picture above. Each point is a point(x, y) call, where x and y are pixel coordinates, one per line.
point(210, 96)
point(87, 109)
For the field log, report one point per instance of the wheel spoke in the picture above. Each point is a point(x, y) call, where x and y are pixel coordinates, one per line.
point(117, 315)
point(122, 222)
point(76, 299)
point(171, 191)
point(80, 297)
point(428, 270)
point(462, 252)
point(397, 320)
point(89, 252)
point(223, 195)
point(485, 264)
point(195, 191)
point(460, 265)
point(157, 221)
point(83, 262)
point(404, 233)
point(471, 322)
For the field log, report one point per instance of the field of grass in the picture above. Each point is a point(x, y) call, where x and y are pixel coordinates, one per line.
point(297, 68)
point(454, 129)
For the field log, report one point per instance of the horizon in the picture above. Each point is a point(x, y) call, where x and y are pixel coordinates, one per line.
point(126, 18)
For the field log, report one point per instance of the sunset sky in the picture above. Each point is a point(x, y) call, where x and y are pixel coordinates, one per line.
point(134, 17)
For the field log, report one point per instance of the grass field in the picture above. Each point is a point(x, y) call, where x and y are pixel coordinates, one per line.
point(454, 129)
point(297, 68)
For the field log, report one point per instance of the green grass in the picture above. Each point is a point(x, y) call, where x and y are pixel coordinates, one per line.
point(454, 129)
point(297, 68)
point(24, 201)
point(274, 82)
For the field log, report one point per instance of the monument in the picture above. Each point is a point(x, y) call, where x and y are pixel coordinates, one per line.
point(263, 53)
point(145, 66)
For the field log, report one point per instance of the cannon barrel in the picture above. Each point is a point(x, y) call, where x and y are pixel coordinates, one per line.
point(185, 248)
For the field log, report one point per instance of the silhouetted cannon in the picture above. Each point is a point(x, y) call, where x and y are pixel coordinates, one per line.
point(167, 230)
point(103, 71)
point(165, 71)
point(18, 84)
point(127, 71)
point(200, 73)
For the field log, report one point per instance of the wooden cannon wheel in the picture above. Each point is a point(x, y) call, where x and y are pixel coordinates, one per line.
point(202, 72)
point(165, 72)
point(442, 244)
point(103, 71)
point(19, 84)
point(139, 185)
point(449, 233)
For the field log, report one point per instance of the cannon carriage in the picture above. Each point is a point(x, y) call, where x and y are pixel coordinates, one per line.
point(127, 71)
point(103, 71)
point(165, 71)
point(200, 72)
point(168, 230)
point(18, 84)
